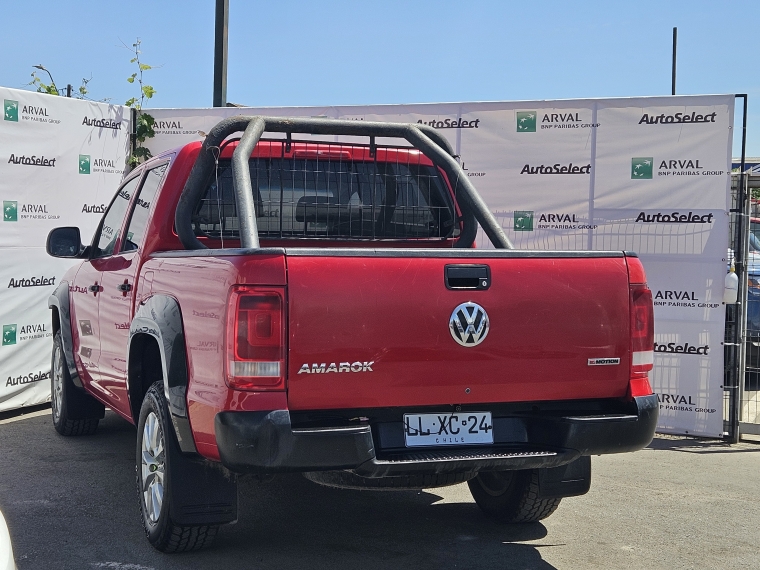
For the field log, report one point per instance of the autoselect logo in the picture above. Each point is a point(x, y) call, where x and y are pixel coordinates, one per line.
point(9, 335)
point(641, 168)
point(686, 348)
point(523, 221)
point(32, 160)
point(41, 281)
point(451, 123)
point(675, 218)
point(10, 211)
point(526, 121)
point(557, 168)
point(102, 123)
point(29, 378)
point(10, 110)
point(94, 209)
point(677, 118)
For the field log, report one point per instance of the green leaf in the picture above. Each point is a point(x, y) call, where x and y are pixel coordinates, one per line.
point(148, 91)
point(144, 67)
point(131, 79)
point(134, 59)
point(131, 102)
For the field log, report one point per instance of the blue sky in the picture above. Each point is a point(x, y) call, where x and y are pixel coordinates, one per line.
point(336, 52)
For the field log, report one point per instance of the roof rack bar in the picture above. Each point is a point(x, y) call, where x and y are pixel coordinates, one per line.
point(424, 138)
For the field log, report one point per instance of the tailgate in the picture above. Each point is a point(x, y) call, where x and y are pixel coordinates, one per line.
point(372, 330)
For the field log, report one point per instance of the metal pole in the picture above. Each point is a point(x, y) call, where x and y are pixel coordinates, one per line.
point(675, 44)
point(68, 90)
point(742, 218)
point(220, 52)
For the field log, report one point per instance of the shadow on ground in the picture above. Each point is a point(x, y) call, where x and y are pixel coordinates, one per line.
point(71, 503)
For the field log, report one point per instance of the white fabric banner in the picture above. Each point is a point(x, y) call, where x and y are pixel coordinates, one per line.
point(61, 161)
point(649, 174)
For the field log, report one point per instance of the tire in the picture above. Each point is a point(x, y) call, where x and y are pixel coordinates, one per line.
point(156, 446)
point(511, 496)
point(74, 411)
point(349, 480)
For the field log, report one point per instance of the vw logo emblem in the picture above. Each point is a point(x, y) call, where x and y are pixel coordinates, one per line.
point(469, 324)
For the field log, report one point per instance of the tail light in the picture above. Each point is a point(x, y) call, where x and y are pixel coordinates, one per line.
point(256, 339)
point(642, 339)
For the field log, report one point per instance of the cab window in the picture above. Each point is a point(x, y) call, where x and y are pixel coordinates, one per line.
point(108, 232)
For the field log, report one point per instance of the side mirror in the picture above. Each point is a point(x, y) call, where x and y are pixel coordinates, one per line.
point(64, 242)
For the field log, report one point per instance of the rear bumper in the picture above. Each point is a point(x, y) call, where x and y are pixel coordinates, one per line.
point(266, 442)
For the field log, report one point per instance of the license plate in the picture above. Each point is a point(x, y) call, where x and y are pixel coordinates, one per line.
point(463, 428)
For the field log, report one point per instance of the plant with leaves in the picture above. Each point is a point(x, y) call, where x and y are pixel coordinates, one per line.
point(144, 123)
point(51, 88)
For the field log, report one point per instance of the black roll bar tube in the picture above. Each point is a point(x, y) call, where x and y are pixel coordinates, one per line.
point(422, 137)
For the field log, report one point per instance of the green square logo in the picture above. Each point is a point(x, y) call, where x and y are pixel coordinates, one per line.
point(526, 121)
point(84, 164)
point(10, 211)
point(10, 110)
point(9, 334)
point(523, 221)
point(641, 167)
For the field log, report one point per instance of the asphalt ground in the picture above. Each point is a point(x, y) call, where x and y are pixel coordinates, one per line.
point(71, 503)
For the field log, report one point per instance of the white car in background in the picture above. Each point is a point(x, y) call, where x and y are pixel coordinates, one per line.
point(6, 551)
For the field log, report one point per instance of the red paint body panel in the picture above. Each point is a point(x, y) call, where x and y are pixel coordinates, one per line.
point(547, 318)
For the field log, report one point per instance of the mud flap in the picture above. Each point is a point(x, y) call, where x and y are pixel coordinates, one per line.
point(568, 480)
point(203, 493)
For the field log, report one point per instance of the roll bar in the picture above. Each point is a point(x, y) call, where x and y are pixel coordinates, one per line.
point(422, 137)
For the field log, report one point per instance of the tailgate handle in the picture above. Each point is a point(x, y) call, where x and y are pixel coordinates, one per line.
point(476, 277)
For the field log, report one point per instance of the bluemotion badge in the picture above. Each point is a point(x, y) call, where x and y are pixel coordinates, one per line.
point(10, 110)
point(523, 221)
point(641, 168)
point(84, 164)
point(526, 121)
point(10, 211)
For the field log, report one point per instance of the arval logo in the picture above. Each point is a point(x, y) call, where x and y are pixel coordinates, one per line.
point(469, 324)
point(526, 121)
point(641, 168)
point(523, 221)
point(84, 164)
point(9, 334)
point(10, 211)
point(10, 110)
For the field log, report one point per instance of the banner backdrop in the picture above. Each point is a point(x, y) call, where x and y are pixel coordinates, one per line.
point(60, 163)
point(650, 175)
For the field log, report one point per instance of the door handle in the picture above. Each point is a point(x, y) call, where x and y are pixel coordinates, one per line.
point(124, 287)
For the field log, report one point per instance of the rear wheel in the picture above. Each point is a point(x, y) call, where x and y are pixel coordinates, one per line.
point(511, 496)
point(74, 411)
point(156, 446)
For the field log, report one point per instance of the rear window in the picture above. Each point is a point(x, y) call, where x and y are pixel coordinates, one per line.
point(337, 199)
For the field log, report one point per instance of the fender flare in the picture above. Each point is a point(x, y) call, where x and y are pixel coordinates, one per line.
point(60, 300)
point(160, 317)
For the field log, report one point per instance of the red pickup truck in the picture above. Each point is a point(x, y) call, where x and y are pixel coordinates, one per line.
point(295, 305)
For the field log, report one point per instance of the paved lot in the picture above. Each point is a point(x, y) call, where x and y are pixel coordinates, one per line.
point(70, 503)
